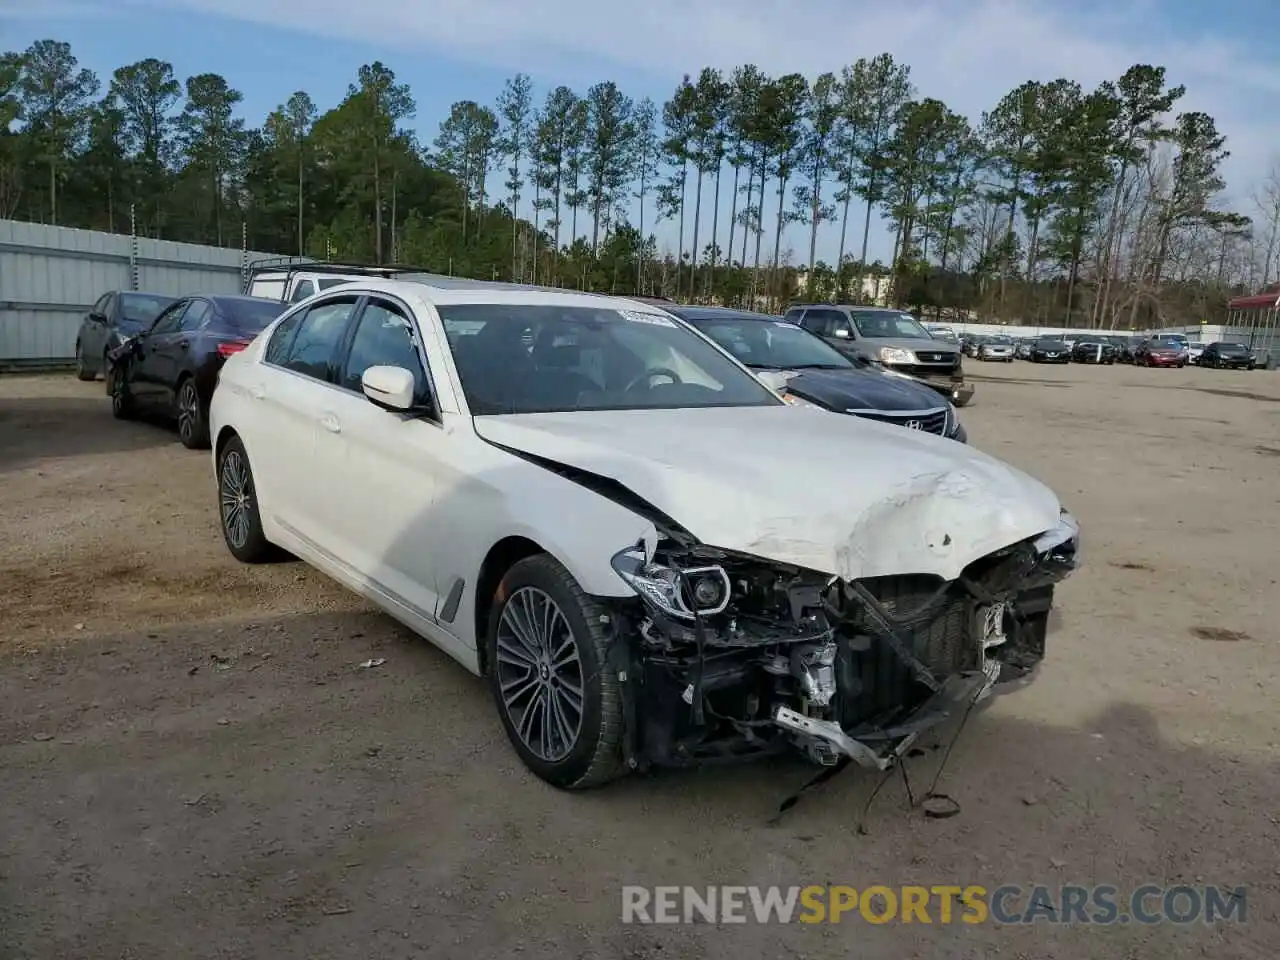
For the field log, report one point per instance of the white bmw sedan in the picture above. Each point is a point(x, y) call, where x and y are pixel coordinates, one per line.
point(651, 557)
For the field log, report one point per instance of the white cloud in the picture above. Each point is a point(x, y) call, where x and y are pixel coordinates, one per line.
point(965, 52)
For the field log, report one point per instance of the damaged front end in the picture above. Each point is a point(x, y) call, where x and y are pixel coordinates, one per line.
point(726, 656)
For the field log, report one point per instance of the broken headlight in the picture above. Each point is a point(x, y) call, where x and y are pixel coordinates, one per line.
point(678, 592)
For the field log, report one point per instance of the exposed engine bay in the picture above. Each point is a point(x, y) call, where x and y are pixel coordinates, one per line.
point(726, 656)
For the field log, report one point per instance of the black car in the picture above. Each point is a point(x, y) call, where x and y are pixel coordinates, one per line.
point(173, 367)
point(1096, 350)
point(114, 317)
point(1228, 356)
point(1050, 351)
point(807, 371)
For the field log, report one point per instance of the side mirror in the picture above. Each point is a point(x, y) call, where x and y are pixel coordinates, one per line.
point(97, 317)
point(389, 387)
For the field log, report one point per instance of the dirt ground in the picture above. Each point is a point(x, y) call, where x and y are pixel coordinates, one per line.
point(193, 763)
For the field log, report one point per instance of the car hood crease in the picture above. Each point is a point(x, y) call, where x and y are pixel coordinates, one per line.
point(827, 492)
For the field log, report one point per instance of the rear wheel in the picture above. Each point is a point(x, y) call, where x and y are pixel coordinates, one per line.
point(193, 417)
point(238, 506)
point(122, 405)
point(83, 370)
point(558, 700)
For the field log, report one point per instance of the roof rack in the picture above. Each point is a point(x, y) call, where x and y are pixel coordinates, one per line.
point(293, 265)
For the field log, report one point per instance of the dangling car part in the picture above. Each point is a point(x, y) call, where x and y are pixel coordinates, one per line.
point(736, 655)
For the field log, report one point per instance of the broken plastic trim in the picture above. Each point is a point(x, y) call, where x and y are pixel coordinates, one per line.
point(963, 690)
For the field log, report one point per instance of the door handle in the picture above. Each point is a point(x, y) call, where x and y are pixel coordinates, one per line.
point(257, 392)
point(184, 343)
point(330, 423)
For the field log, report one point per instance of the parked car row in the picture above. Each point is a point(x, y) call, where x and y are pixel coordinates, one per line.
point(654, 529)
point(1159, 350)
point(161, 355)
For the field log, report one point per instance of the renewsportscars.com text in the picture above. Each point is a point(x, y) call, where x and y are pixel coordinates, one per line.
point(937, 904)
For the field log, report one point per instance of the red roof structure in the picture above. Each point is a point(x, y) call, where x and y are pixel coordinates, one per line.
point(1256, 301)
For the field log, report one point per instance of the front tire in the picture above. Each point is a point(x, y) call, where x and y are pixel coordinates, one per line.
point(122, 405)
point(193, 417)
point(559, 702)
point(238, 506)
point(82, 366)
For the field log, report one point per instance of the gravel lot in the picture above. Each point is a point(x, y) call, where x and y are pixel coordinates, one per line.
point(194, 764)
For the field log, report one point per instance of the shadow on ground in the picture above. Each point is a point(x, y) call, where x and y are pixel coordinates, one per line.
point(37, 428)
point(255, 792)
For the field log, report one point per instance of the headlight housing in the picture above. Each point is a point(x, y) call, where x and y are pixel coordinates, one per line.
point(682, 593)
point(896, 355)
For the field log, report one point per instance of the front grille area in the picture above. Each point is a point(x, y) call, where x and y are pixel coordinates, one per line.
point(930, 421)
point(874, 681)
point(949, 367)
point(925, 357)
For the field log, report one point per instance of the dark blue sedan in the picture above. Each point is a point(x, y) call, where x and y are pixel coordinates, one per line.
point(807, 370)
point(172, 367)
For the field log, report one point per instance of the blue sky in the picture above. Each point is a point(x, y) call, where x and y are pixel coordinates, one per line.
point(965, 52)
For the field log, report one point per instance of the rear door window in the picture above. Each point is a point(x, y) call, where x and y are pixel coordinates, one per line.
point(314, 348)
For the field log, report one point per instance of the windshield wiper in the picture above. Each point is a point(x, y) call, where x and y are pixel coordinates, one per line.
point(817, 366)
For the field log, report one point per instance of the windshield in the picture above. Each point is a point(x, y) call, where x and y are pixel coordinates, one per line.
point(1232, 348)
point(1050, 345)
point(525, 358)
point(139, 309)
point(999, 341)
point(887, 325)
point(250, 316)
point(771, 344)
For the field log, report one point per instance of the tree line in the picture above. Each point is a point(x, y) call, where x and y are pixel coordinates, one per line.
point(1061, 204)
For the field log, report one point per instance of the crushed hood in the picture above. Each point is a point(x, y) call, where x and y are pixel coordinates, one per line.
point(828, 492)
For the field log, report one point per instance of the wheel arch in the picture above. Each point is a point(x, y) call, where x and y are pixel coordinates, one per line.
point(225, 433)
point(502, 556)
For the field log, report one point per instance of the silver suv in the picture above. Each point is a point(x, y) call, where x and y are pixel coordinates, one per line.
point(893, 339)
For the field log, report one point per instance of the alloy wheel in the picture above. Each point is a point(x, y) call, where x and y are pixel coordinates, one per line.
point(188, 410)
point(117, 389)
point(236, 496)
point(540, 674)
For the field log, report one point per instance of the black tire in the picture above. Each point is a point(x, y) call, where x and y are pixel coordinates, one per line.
point(122, 405)
point(82, 367)
point(193, 416)
point(595, 754)
point(242, 531)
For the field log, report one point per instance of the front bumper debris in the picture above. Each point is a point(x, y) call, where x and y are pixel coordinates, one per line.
point(882, 748)
point(795, 660)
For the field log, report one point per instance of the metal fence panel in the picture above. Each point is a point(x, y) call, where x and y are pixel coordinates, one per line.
point(50, 276)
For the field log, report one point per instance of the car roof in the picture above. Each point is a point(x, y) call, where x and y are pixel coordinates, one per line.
point(233, 298)
point(847, 306)
point(695, 312)
point(442, 291)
